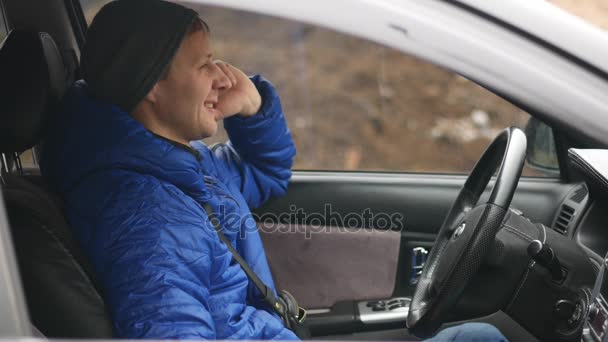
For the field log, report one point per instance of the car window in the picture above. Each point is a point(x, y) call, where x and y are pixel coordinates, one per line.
point(3, 25)
point(355, 105)
point(91, 7)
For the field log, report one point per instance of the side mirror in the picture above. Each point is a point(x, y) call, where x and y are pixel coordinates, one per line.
point(542, 153)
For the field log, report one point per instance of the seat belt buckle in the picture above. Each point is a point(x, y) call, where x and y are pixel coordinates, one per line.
point(301, 315)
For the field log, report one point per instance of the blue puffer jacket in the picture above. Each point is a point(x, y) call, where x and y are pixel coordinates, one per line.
point(134, 201)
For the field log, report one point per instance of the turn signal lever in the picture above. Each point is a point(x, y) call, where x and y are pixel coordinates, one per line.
point(545, 256)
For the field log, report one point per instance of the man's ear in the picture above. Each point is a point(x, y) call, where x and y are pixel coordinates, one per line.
point(152, 95)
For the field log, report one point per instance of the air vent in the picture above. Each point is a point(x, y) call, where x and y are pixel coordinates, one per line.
point(563, 220)
point(579, 194)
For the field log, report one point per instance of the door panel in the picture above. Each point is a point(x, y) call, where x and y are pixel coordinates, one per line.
point(297, 252)
point(421, 199)
point(328, 259)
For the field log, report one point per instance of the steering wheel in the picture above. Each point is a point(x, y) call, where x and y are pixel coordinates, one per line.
point(467, 233)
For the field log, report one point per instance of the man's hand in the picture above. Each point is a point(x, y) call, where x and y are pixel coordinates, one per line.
point(242, 97)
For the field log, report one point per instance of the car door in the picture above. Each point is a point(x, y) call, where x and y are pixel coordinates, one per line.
point(385, 142)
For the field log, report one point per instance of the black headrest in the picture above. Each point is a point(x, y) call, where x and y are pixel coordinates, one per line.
point(33, 81)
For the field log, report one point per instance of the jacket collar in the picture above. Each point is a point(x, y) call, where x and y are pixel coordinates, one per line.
point(89, 136)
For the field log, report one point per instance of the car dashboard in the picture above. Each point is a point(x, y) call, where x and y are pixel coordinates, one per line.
point(583, 216)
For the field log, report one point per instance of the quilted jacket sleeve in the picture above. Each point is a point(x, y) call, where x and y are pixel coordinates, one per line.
point(157, 264)
point(260, 153)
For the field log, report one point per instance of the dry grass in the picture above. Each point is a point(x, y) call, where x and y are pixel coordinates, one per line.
point(352, 104)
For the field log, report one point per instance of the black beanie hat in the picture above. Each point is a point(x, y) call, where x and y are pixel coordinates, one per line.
point(129, 45)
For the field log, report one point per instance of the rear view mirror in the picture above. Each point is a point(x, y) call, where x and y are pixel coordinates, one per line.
point(542, 153)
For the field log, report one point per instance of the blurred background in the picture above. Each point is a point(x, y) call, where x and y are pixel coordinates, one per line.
point(354, 105)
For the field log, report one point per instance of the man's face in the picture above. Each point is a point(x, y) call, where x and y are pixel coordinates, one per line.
point(187, 97)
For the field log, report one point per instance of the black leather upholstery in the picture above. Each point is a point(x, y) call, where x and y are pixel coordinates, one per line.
point(63, 297)
point(33, 80)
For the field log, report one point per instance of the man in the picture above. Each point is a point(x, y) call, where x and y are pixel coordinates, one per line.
point(120, 153)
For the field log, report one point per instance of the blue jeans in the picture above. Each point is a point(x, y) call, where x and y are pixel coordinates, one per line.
point(470, 332)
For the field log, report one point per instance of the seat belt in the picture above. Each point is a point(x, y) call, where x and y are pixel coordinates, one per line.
point(286, 307)
point(266, 291)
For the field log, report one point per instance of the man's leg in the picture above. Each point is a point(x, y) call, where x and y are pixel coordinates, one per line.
point(474, 332)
